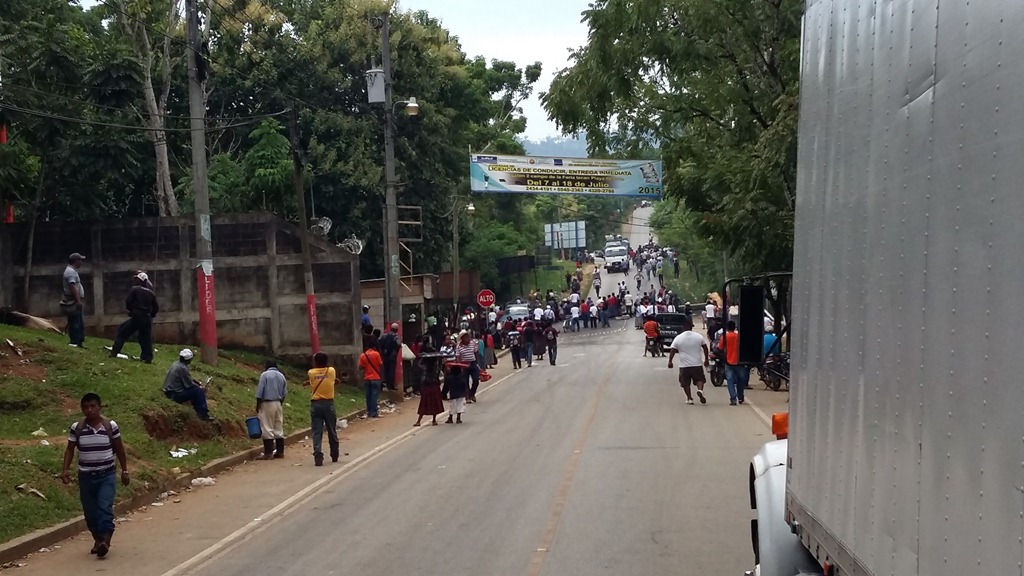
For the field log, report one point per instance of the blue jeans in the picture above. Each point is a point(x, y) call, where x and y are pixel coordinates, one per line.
point(76, 327)
point(372, 398)
point(474, 374)
point(737, 377)
point(529, 353)
point(552, 353)
point(322, 415)
point(194, 395)
point(97, 494)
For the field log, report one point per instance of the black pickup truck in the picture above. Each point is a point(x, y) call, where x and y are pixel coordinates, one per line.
point(670, 324)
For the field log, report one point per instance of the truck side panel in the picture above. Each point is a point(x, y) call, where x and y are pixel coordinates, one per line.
point(907, 424)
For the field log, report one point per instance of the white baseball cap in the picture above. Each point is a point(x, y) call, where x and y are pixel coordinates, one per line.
point(185, 354)
point(142, 276)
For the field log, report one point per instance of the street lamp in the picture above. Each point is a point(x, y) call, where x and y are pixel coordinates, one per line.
point(412, 108)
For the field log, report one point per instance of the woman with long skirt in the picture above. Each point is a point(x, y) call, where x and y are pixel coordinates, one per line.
point(431, 403)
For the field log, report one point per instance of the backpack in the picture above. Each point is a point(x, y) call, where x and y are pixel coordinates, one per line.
point(104, 423)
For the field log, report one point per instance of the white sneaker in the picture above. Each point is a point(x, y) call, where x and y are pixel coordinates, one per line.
point(689, 401)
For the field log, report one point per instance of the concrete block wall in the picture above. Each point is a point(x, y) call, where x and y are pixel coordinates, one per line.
point(260, 290)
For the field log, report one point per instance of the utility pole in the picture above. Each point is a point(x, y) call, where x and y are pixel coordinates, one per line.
point(455, 260)
point(392, 296)
point(307, 259)
point(200, 187)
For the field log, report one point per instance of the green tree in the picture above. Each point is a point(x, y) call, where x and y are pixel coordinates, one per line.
point(713, 84)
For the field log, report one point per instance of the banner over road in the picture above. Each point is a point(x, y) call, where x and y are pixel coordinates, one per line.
point(581, 176)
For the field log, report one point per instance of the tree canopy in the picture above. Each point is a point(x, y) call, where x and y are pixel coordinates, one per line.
point(713, 85)
point(96, 102)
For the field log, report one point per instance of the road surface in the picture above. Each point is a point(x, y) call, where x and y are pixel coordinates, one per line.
point(594, 466)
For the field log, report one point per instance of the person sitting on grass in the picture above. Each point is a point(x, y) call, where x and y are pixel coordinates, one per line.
point(98, 441)
point(180, 387)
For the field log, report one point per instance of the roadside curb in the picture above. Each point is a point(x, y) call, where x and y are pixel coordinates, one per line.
point(31, 543)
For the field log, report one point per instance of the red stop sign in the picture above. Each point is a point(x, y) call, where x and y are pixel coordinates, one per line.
point(485, 298)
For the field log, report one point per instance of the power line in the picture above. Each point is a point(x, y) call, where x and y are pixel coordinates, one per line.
point(120, 109)
point(55, 116)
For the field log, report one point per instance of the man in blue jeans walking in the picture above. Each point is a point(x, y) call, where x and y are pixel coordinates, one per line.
point(736, 374)
point(98, 441)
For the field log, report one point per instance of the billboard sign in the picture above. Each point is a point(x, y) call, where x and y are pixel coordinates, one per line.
point(566, 235)
point(580, 176)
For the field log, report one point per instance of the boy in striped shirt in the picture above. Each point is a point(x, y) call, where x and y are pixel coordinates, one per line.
point(98, 440)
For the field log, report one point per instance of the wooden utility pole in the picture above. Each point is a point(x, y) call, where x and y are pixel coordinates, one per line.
point(307, 259)
point(197, 68)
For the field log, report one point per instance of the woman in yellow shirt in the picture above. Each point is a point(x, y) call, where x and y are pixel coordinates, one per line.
point(321, 408)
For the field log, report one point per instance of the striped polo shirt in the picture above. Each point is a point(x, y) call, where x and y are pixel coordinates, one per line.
point(95, 450)
point(466, 352)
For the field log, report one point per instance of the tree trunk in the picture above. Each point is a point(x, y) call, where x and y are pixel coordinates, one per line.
point(26, 288)
point(164, 191)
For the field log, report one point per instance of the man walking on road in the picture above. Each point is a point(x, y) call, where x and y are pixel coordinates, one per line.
point(551, 335)
point(321, 408)
point(736, 374)
point(98, 441)
point(515, 344)
point(270, 394)
point(72, 301)
point(142, 308)
point(689, 345)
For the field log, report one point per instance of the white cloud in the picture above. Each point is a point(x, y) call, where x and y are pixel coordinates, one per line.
point(523, 32)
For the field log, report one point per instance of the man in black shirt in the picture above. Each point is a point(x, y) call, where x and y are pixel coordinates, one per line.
point(390, 347)
point(142, 308)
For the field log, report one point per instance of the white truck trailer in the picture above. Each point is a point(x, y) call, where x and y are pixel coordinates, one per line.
point(905, 454)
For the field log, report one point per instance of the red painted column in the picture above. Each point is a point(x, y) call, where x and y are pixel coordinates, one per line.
point(314, 326)
point(207, 307)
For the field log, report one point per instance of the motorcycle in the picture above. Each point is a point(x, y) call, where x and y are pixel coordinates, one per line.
point(774, 372)
point(654, 347)
point(717, 361)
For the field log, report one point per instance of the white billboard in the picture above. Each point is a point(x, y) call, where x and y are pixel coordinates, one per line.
point(566, 235)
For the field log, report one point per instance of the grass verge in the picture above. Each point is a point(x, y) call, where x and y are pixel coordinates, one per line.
point(41, 390)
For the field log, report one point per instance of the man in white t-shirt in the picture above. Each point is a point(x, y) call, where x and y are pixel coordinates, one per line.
point(538, 314)
point(691, 347)
point(492, 317)
point(574, 298)
point(574, 314)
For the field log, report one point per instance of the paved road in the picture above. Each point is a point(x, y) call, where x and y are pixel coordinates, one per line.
point(594, 466)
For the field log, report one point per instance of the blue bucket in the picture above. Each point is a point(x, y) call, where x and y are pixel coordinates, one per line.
point(252, 425)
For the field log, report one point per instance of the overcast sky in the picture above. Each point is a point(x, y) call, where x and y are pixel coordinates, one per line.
point(523, 32)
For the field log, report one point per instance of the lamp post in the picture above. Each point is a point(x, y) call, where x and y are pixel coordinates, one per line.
point(470, 209)
point(379, 90)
